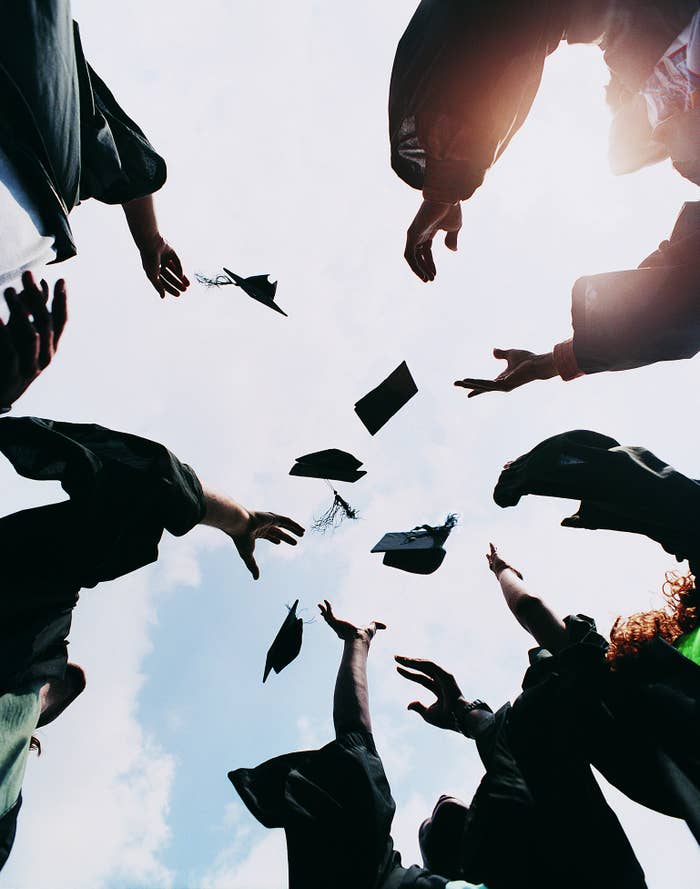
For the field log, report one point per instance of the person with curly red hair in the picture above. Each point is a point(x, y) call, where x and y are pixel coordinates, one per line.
point(630, 706)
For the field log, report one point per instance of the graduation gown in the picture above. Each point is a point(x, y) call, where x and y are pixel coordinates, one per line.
point(60, 124)
point(124, 492)
point(639, 726)
point(466, 73)
point(620, 488)
point(640, 316)
point(336, 808)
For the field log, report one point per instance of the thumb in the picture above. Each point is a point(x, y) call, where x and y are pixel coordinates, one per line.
point(245, 551)
point(252, 565)
point(501, 353)
point(451, 240)
point(419, 708)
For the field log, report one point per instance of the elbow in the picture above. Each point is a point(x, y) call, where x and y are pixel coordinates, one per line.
point(526, 608)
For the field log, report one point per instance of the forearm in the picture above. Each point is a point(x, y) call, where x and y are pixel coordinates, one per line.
point(141, 219)
point(351, 697)
point(224, 513)
point(532, 613)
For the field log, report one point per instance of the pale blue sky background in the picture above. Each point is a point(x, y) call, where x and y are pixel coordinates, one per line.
point(273, 120)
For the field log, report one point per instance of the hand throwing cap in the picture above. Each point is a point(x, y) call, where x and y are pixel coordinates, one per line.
point(287, 643)
point(419, 551)
point(380, 405)
point(334, 464)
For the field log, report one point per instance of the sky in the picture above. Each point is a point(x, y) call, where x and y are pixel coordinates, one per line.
point(272, 118)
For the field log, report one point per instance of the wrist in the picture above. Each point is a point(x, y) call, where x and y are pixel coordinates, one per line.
point(507, 567)
point(470, 715)
point(544, 366)
point(225, 514)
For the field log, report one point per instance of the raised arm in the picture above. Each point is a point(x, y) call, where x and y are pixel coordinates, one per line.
point(351, 697)
point(533, 614)
point(245, 526)
point(160, 262)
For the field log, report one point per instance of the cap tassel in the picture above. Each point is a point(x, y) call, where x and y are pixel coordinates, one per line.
point(219, 281)
point(335, 515)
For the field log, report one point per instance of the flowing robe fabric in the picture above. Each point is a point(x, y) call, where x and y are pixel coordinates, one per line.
point(124, 492)
point(64, 131)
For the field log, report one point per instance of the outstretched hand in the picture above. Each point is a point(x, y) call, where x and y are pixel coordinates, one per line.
point(163, 267)
point(441, 683)
point(497, 564)
point(344, 629)
point(29, 340)
point(265, 526)
point(521, 367)
point(432, 217)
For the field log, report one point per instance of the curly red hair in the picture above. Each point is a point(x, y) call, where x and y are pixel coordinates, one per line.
point(680, 615)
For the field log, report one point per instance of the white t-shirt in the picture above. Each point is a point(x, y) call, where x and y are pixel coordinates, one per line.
point(22, 246)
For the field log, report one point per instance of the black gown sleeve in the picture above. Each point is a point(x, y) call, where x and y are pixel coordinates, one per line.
point(632, 318)
point(464, 78)
point(124, 492)
point(118, 163)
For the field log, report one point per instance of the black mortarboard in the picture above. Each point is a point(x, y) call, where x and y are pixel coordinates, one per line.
point(380, 405)
point(335, 464)
point(287, 643)
point(258, 287)
point(419, 551)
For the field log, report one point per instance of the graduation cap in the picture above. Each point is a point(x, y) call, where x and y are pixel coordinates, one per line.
point(335, 464)
point(258, 287)
point(379, 406)
point(332, 463)
point(287, 643)
point(418, 551)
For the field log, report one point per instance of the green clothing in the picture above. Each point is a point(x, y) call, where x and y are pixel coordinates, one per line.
point(19, 715)
point(689, 645)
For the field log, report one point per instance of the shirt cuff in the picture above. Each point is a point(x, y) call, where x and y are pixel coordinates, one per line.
point(565, 360)
point(450, 181)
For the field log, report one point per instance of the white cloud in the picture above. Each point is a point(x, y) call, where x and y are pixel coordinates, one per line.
point(264, 866)
point(272, 118)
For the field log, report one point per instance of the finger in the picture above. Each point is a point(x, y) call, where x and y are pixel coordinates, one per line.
point(30, 286)
point(251, 565)
point(272, 539)
point(410, 255)
point(425, 681)
point(245, 551)
point(282, 536)
point(451, 240)
point(173, 261)
point(170, 276)
point(152, 269)
point(35, 300)
point(481, 385)
point(502, 353)
point(59, 310)
point(419, 708)
point(429, 667)
point(23, 333)
point(378, 625)
point(493, 549)
point(289, 524)
point(426, 256)
point(167, 287)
